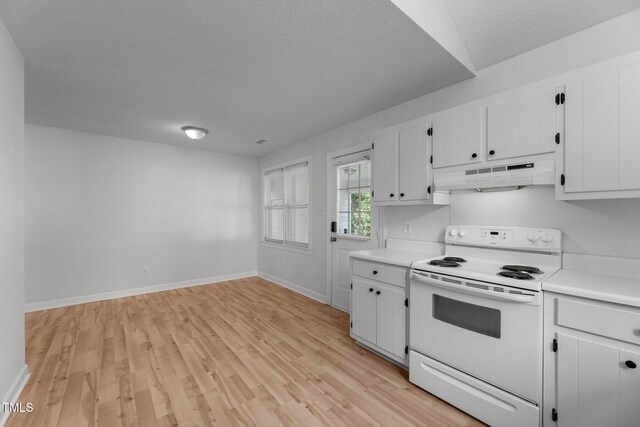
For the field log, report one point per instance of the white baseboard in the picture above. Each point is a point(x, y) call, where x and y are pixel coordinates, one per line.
point(296, 288)
point(13, 394)
point(64, 302)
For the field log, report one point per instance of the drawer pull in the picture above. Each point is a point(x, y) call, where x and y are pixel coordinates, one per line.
point(375, 271)
point(379, 292)
point(370, 289)
point(630, 364)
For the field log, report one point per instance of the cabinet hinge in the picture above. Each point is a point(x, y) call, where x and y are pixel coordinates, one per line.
point(554, 415)
point(406, 349)
point(429, 190)
point(352, 324)
point(558, 138)
point(352, 286)
point(554, 346)
point(372, 144)
point(372, 193)
point(562, 179)
point(430, 131)
point(406, 302)
point(559, 98)
point(431, 159)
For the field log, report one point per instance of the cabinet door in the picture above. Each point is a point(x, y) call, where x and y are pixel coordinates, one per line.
point(391, 320)
point(363, 309)
point(413, 164)
point(592, 132)
point(458, 135)
point(595, 387)
point(385, 167)
point(521, 126)
point(630, 127)
point(629, 389)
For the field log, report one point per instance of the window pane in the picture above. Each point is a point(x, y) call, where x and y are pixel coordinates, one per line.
point(298, 225)
point(274, 225)
point(361, 224)
point(274, 188)
point(365, 201)
point(344, 204)
point(344, 223)
point(343, 176)
point(298, 185)
point(365, 174)
point(354, 177)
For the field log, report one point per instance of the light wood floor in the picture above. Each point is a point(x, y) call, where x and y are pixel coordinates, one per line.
point(245, 352)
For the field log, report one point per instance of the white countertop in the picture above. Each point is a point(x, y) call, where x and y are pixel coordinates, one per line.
point(578, 278)
point(400, 257)
point(401, 252)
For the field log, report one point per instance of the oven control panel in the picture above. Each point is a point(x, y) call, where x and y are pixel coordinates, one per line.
point(522, 238)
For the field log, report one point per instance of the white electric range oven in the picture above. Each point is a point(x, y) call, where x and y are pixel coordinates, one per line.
point(476, 321)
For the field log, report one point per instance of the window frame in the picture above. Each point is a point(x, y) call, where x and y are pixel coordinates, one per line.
point(285, 243)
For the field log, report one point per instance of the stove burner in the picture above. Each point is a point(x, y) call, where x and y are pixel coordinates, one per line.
point(454, 259)
point(522, 268)
point(444, 263)
point(518, 275)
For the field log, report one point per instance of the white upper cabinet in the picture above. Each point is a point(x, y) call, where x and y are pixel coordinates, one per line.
point(402, 172)
point(385, 167)
point(522, 124)
point(458, 136)
point(413, 165)
point(602, 125)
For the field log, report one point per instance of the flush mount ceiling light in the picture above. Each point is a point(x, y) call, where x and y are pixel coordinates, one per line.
point(194, 132)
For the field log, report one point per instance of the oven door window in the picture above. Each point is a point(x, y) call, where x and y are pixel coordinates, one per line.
point(475, 318)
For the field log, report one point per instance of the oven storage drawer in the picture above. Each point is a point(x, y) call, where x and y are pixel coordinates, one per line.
point(381, 272)
point(487, 403)
point(600, 319)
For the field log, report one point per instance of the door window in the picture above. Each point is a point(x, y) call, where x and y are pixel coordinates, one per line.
point(354, 199)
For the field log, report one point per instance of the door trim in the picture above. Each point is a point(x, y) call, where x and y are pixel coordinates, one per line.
point(329, 206)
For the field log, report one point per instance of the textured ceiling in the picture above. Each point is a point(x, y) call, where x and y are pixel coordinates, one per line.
point(495, 30)
point(280, 70)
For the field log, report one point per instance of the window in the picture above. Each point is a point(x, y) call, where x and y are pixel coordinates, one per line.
point(286, 205)
point(354, 199)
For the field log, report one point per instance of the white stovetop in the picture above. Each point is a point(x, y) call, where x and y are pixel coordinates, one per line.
point(401, 252)
point(615, 280)
point(484, 264)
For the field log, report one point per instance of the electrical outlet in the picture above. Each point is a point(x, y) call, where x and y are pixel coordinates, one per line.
point(407, 227)
point(144, 271)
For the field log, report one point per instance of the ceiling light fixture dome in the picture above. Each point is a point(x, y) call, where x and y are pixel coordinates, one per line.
point(194, 132)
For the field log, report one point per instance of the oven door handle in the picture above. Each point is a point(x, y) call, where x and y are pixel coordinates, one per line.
point(502, 296)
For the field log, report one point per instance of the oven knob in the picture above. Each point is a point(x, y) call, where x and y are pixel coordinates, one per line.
point(546, 238)
point(532, 237)
point(462, 233)
point(453, 232)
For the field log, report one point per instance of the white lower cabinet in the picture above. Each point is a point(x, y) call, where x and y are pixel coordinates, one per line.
point(379, 312)
point(591, 379)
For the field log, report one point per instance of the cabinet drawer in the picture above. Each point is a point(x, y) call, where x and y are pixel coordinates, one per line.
point(600, 319)
point(381, 272)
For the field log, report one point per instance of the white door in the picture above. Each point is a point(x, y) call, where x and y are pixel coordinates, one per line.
point(595, 385)
point(391, 319)
point(363, 317)
point(354, 219)
point(385, 167)
point(414, 167)
point(522, 126)
point(458, 136)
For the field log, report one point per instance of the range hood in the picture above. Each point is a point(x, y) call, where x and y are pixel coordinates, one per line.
point(506, 176)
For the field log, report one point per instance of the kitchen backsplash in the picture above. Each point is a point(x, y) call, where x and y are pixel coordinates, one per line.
point(598, 227)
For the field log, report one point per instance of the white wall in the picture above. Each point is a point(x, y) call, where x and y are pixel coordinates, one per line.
point(11, 214)
point(99, 209)
point(607, 40)
point(598, 227)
